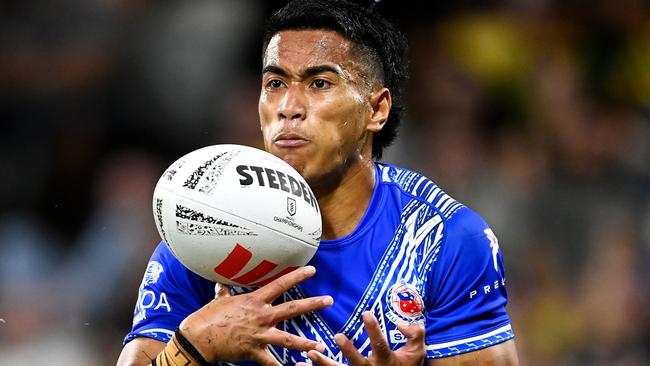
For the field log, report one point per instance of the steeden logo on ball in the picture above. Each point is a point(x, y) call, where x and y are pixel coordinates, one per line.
point(237, 215)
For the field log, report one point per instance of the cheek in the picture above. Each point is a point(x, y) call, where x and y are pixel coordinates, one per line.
point(263, 107)
point(351, 123)
point(265, 122)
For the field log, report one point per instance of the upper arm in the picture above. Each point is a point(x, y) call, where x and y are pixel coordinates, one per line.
point(502, 354)
point(466, 305)
point(169, 292)
point(140, 352)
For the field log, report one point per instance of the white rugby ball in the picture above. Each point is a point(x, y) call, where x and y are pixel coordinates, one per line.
point(237, 215)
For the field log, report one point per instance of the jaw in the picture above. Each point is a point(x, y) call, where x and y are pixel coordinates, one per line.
point(324, 168)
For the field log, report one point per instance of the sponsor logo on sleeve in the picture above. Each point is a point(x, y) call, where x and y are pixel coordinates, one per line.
point(493, 286)
point(148, 299)
point(494, 244)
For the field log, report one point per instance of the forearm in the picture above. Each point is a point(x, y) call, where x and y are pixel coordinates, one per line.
point(140, 352)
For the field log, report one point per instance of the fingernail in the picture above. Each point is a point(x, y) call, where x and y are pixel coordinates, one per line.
point(312, 356)
point(328, 300)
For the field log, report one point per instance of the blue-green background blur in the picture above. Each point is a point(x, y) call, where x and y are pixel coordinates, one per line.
point(533, 112)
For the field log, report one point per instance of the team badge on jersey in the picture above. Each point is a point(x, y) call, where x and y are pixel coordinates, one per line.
point(404, 304)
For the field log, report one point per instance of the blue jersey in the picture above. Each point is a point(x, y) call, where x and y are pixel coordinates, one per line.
point(417, 255)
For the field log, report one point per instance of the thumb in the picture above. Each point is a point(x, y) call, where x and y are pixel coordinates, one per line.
point(221, 290)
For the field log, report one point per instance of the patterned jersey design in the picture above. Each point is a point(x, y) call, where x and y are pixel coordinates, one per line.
point(417, 256)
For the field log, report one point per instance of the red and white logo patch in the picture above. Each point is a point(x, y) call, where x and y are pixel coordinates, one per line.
point(405, 304)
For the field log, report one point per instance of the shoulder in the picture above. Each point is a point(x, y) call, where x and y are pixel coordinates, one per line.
point(416, 187)
point(462, 228)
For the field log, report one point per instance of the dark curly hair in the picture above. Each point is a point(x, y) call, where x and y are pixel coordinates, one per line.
point(383, 46)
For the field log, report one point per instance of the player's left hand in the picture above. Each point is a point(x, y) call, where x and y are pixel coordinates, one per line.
point(411, 354)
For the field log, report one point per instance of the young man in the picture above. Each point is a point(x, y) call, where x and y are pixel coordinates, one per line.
point(404, 271)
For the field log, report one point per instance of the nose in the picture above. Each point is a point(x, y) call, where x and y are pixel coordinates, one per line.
point(292, 105)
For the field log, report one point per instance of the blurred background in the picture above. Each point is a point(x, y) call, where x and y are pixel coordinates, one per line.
point(533, 112)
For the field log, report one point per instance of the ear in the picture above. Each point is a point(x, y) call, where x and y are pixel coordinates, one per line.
point(380, 104)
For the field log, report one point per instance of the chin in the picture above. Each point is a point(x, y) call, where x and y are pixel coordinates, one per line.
point(296, 162)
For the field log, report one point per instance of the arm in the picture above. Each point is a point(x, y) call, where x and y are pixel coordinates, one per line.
point(140, 352)
point(466, 312)
point(172, 297)
point(235, 328)
point(503, 354)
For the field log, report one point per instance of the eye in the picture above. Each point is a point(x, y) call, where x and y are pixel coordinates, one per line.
point(321, 84)
point(274, 84)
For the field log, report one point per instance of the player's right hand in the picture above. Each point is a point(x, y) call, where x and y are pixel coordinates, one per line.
point(238, 328)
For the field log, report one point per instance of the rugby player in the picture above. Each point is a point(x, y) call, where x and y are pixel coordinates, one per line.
point(405, 273)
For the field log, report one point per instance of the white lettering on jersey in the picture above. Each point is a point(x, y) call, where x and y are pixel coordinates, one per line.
point(487, 288)
point(139, 316)
point(396, 336)
point(162, 302)
point(494, 244)
point(148, 299)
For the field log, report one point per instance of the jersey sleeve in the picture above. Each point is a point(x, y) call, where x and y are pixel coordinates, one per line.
point(467, 310)
point(169, 292)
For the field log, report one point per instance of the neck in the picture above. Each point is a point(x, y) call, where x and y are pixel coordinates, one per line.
point(343, 204)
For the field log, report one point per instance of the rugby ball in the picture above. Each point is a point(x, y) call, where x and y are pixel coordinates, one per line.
point(237, 215)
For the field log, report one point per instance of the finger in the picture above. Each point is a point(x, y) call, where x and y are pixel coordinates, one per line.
point(380, 348)
point(221, 290)
point(349, 350)
point(271, 291)
point(265, 358)
point(320, 359)
point(288, 340)
point(413, 332)
point(293, 308)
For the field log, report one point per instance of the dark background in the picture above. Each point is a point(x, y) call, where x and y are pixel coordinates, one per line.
point(534, 113)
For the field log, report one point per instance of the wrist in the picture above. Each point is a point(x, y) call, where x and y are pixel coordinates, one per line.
point(179, 352)
point(189, 347)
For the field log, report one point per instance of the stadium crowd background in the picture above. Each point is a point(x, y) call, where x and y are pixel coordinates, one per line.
point(535, 113)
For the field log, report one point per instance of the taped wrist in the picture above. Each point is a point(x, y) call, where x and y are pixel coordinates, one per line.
point(179, 352)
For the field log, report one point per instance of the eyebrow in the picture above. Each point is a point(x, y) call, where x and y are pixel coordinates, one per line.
point(313, 70)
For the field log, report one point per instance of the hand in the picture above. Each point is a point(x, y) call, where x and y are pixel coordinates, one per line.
point(237, 328)
point(412, 353)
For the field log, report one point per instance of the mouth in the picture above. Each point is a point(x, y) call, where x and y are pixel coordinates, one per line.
point(289, 140)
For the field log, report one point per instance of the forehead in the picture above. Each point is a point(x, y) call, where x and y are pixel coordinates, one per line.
point(305, 48)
